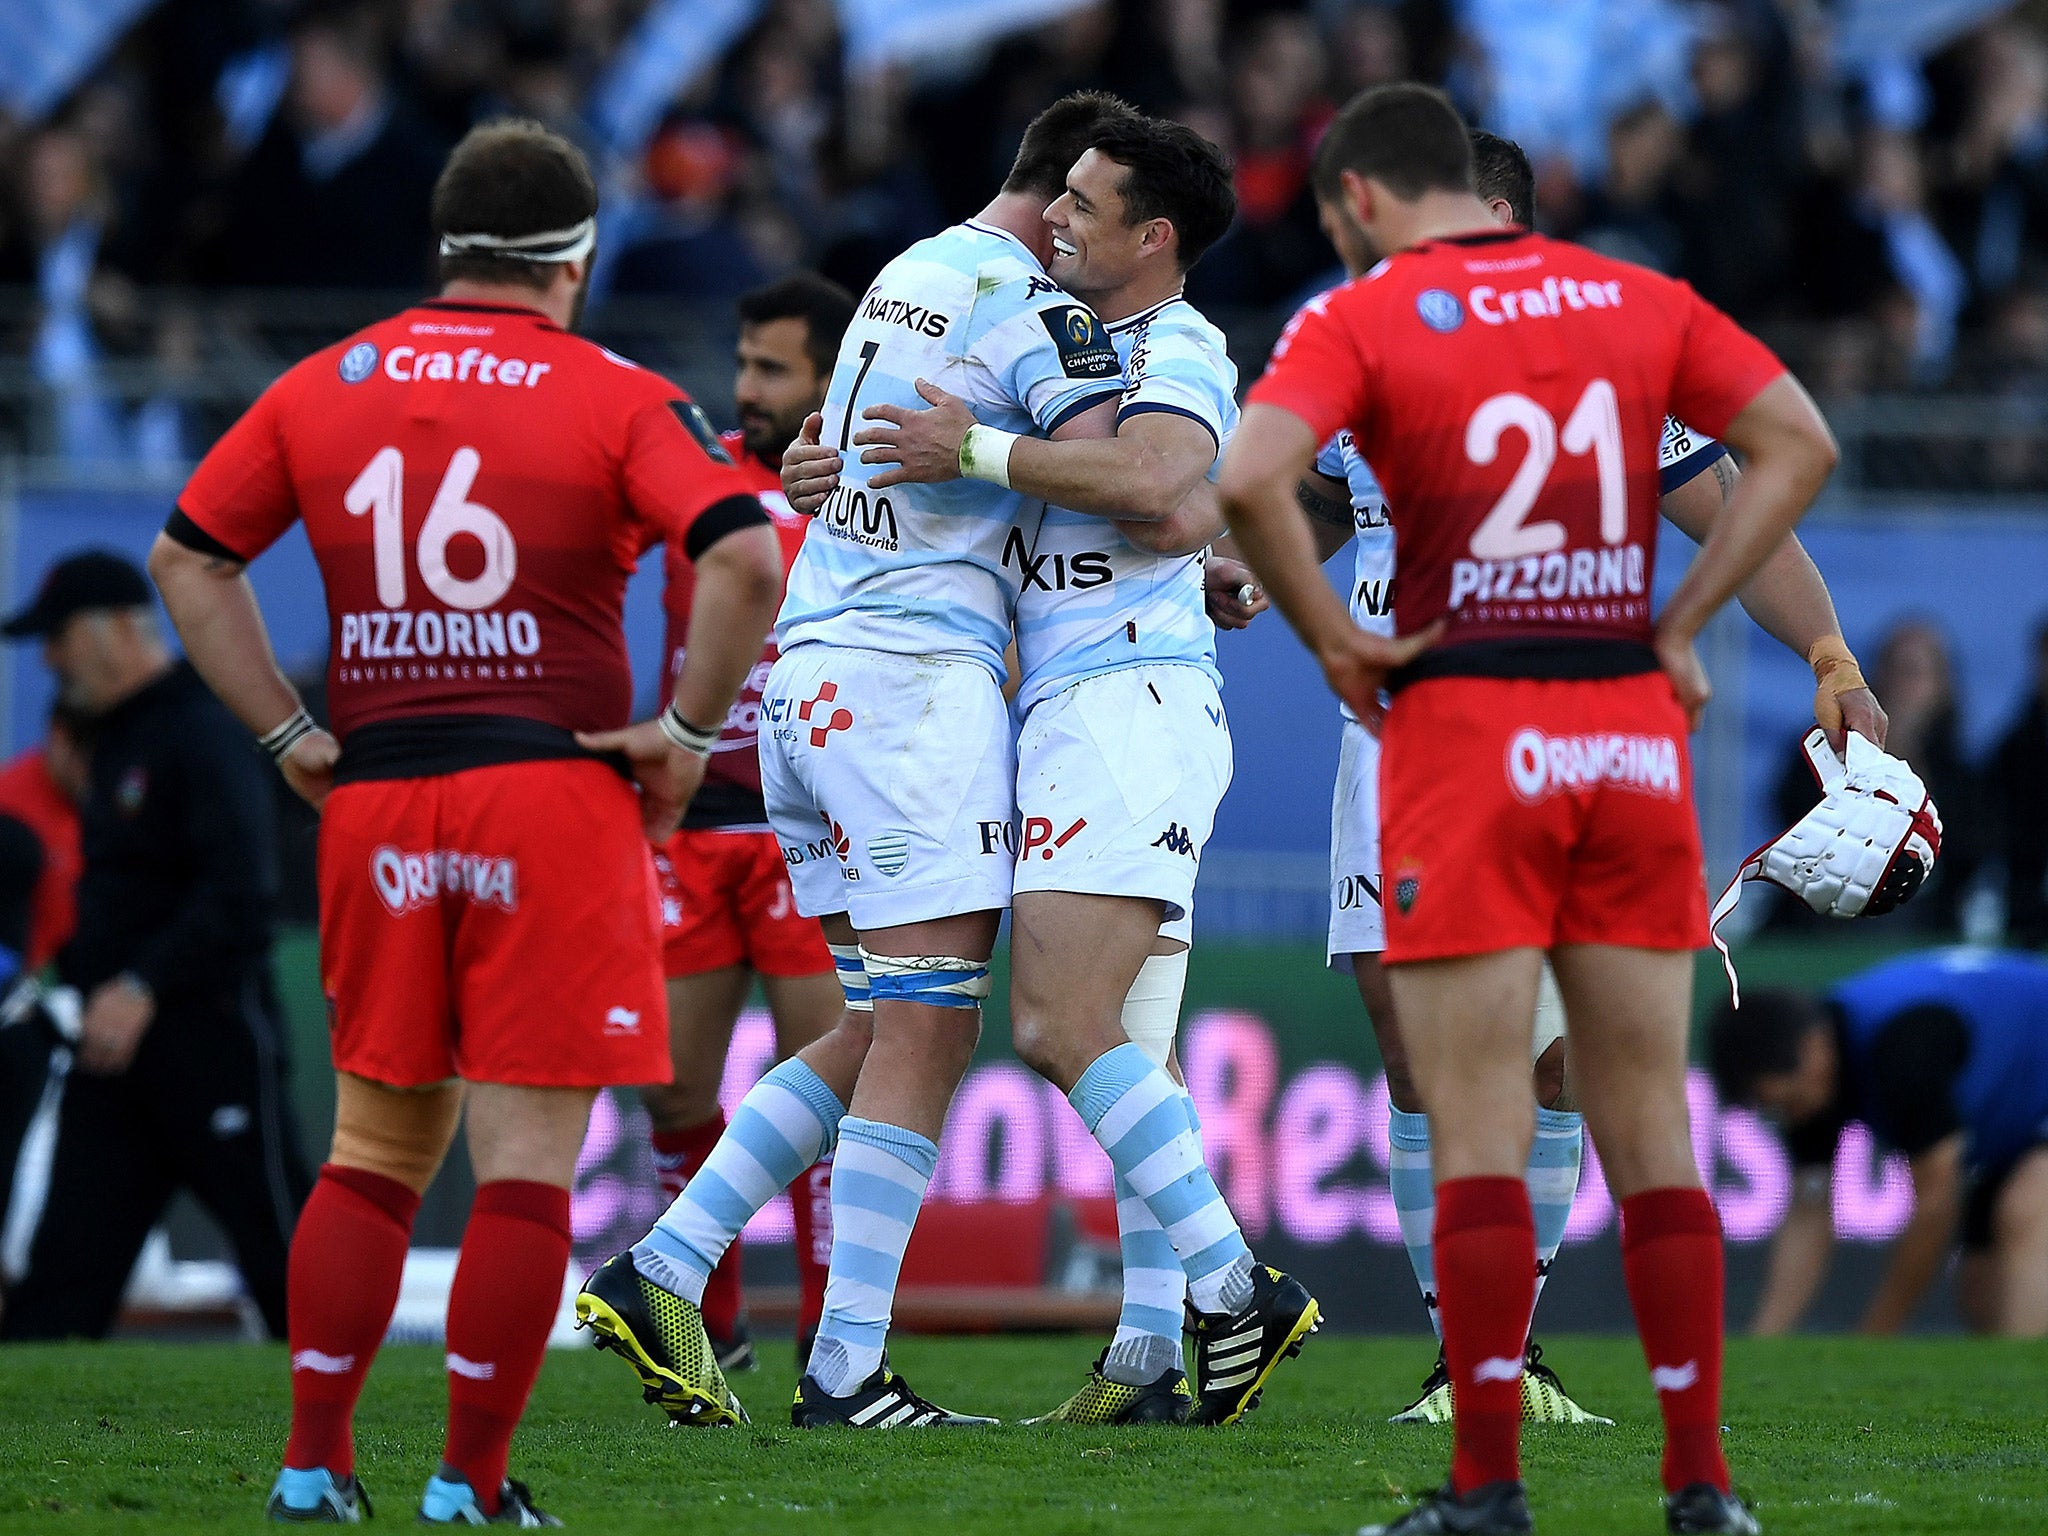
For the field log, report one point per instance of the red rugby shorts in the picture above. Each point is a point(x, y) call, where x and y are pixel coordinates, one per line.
point(1519, 812)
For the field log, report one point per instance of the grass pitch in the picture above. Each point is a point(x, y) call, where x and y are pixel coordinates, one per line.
point(1827, 1435)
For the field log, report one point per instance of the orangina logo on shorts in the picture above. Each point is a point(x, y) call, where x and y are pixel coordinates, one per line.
point(1540, 766)
point(406, 882)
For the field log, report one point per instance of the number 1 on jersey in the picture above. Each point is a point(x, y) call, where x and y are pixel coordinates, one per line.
point(868, 349)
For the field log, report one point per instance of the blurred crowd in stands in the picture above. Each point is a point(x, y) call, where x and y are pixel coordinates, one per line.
point(1898, 204)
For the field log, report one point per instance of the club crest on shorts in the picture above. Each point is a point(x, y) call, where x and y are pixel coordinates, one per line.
point(890, 852)
point(1440, 310)
point(1406, 888)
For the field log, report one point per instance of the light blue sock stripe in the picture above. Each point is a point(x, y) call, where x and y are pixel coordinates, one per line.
point(1408, 1130)
point(870, 1266)
point(1166, 1122)
point(1555, 1157)
point(811, 1088)
point(1142, 1319)
point(1109, 1077)
point(904, 1144)
point(1221, 1254)
point(872, 1192)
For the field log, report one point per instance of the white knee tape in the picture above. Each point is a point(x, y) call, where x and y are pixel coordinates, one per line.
point(853, 977)
point(1152, 1007)
point(1549, 1015)
point(940, 981)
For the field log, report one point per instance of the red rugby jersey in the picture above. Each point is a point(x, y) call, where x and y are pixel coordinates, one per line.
point(1510, 393)
point(33, 798)
point(477, 485)
point(731, 793)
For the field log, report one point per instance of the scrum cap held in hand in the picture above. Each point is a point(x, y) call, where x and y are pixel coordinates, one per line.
point(1864, 850)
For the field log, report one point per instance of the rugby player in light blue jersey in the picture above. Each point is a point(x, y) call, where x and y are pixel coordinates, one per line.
point(1345, 504)
point(889, 769)
point(1123, 755)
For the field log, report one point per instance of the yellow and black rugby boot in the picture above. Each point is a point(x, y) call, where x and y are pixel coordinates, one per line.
point(1168, 1400)
point(1236, 1352)
point(661, 1336)
point(1544, 1399)
point(883, 1401)
point(1433, 1404)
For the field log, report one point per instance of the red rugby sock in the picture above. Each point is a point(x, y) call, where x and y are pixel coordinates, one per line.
point(811, 1203)
point(1486, 1284)
point(677, 1157)
point(508, 1284)
point(348, 1254)
point(1671, 1261)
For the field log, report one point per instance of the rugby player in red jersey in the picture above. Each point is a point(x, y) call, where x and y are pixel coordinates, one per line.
point(728, 914)
point(477, 484)
point(1511, 391)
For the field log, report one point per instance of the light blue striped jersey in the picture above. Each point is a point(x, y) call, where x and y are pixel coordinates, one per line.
point(918, 569)
point(1090, 603)
point(1372, 538)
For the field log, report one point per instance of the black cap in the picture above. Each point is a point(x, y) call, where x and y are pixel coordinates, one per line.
point(95, 578)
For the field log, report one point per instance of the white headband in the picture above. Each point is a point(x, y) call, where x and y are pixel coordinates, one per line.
point(571, 244)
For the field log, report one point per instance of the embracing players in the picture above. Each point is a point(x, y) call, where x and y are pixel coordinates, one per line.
point(1123, 751)
point(1510, 392)
point(1787, 598)
point(891, 775)
point(728, 914)
point(477, 484)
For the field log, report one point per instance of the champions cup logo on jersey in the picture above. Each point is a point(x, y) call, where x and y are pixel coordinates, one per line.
point(406, 882)
point(1539, 766)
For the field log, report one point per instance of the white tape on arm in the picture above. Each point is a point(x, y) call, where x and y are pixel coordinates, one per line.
point(985, 454)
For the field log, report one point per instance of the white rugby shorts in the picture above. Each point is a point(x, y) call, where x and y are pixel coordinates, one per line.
point(1118, 780)
point(891, 784)
point(1358, 924)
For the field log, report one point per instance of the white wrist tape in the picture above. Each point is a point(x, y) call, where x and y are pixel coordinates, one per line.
point(1865, 849)
point(985, 454)
point(682, 735)
point(280, 739)
point(1152, 1006)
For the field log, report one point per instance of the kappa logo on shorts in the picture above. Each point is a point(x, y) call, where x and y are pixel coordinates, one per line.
point(406, 882)
point(1038, 834)
point(1539, 766)
point(890, 851)
point(837, 720)
point(1175, 839)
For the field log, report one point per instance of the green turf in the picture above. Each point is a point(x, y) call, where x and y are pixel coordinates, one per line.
point(1827, 1435)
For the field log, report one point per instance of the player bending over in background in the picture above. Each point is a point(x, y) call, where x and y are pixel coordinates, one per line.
point(477, 484)
point(1124, 752)
point(1944, 1056)
point(728, 914)
point(1535, 774)
point(1787, 598)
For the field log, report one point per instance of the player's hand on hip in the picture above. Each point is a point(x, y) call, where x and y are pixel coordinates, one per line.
point(1232, 593)
point(1357, 662)
point(810, 471)
point(1680, 659)
point(668, 776)
point(1858, 711)
point(117, 1015)
point(923, 446)
point(309, 767)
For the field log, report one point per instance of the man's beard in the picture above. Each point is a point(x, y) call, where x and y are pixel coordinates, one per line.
point(768, 437)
